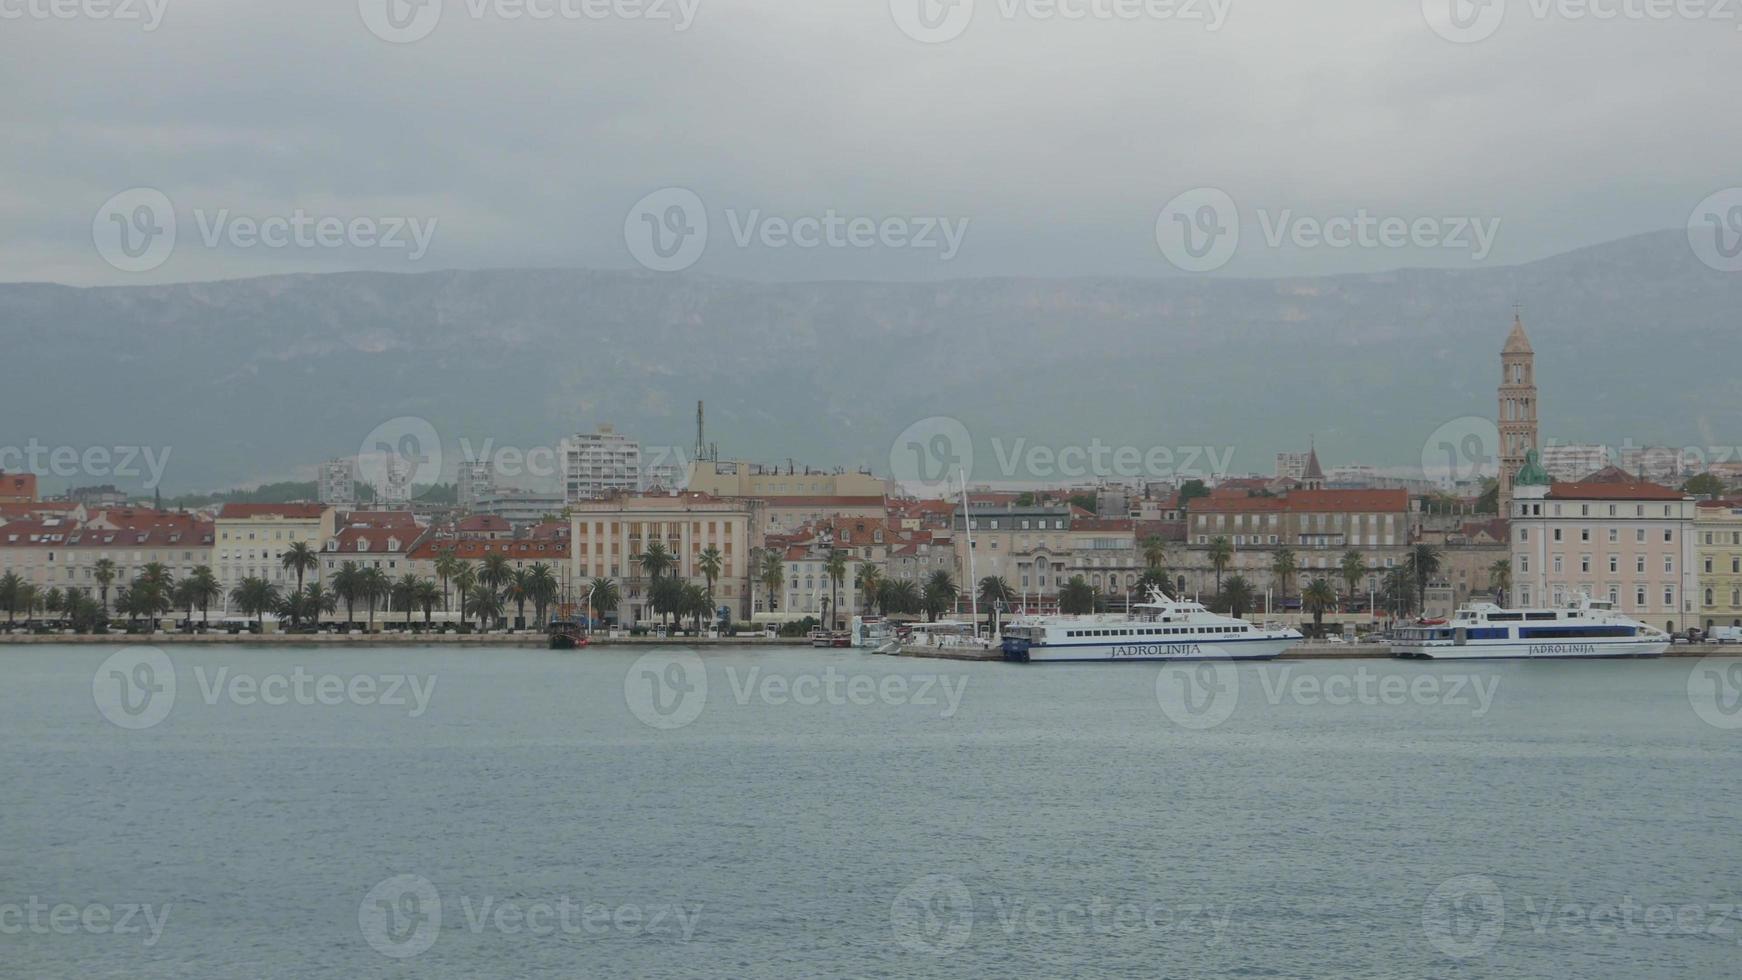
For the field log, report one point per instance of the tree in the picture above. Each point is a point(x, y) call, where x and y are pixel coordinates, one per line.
point(348, 587)
point(1397, 589)
point(373, 586)
point(87, 614)
point(836, 569)
point(1152, 580)
point(869, 582)
point(1423, 562)
point(29, 599)
point(995, 594)
point(1704, 485)
point(486, 604)
point(495, 572)
point(773, 575)
point(1500, 577)
point(1221, 552)
point(604, 597)
point(695, 602)
point(465, 579)
point(518, 591)
point(426, 597)
point(1488, 501)
point(317, 600)
point(541, 585)
point(655, 561)
point(666, 597)
point(447, 563)
point(405, 590)
point(53, 601)
point(1236, 594)
point(187, 595)
point(1319, 598)
point(1077, 597)
point(900, 597)
point(255, 597)
point(104, 573)
point(299, 558)
point(1191, 490)
point(1282, 566)
point(939, 594)
point(10, 584)
point(207, 590)
point(1155, 554)
point(1353, 566)
point(710, 563)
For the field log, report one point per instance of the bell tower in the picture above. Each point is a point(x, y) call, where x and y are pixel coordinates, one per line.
point(1518, 435)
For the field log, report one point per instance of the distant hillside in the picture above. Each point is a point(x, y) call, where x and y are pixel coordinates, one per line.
point(247, 380)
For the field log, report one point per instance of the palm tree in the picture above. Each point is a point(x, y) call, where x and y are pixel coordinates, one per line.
point(995, 594)
point(299, 558)
point(1318, 598)
point(465, 577)
point(1354, 565)
point(869, 582)
point(348, 587)
point(1500, 576)
point(541, 585)
point(603, 597)
point(1282, 567)
point(1221, 552)
point(1398, 589)
point(495, 572)
point(486, 604)
point(773, 575)
point(710, 563)
point(517, 591)
point(53, 601)
point(696, 603)
point(374, 586)
point(900, 597)
point(939, 594)
point(317, 599)
point(1423, 562)
point(446, 564)
point(426, 597)
point(655, 561)
point(254, 597)
point(207, 590)
point(29, 599)
point(104, 573)
point(405, 593)
point(836, 568)
point(1077, 597)
point(1236, 593)
point(666, 597)
point(1155, 554)
point(10, 584)
point(186, 595)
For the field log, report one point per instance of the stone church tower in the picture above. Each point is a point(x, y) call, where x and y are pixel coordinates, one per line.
point(1518, 436)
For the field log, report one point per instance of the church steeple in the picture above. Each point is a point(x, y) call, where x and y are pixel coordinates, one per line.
point(1517, 421)
point(1314, 474)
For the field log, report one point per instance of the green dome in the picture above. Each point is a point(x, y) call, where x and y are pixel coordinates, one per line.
point(1532, 475)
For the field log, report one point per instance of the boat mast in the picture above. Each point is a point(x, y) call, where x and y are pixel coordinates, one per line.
point(968, 532)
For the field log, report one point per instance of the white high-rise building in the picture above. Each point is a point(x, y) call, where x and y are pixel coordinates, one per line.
point(1291, 466)
point(396, 488)
point(1572, 463)
point(597, 464)
point(475, 481)
point(338, 482)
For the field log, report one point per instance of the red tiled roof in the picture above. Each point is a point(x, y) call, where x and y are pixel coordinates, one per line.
point(1587, 490)
point(381, 518)
point(374, 540)
point(484, 522)
point(1347, 501)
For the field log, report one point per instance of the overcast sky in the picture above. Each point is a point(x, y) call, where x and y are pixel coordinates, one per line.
point(996, 137)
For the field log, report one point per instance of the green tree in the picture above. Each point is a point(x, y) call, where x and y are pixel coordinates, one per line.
point(1236, 595)
point(1283, 567)
point(836, 568)
point(900, 597)
point(426, 598)
point(495, 572)
point(1155, 555)
point(1319, 598)
point(541, 585)
point(255, 597)
point(373, 587)
point(939, 594)
point(447, 563)
point(711, 563)
point(1423, 562)
point(604, 597)
point(10, 584)
point(405, 591)
point(518, 591)
point(1221, 552)
point(1077, 597)
point(299, 558)
point(348, 587)
point(773, 575)
point(1353, 566)
point(465, 578)
point(486, 604)
point(1704, 485)
point(104, 573)
point(869, 582)
point(995, 594)
point(655, 561)
point(206, 590)
point(1500, 577)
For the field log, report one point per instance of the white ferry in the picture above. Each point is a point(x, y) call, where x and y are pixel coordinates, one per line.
point(1483, 631)
point(1160, 629)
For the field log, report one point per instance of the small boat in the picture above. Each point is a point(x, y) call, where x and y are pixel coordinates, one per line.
point(821, 638)
point(840, 638)
point(567, 634)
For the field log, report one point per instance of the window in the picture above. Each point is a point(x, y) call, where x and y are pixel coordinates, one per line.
point(1557, 564)
point(1557, 534)
point(1584, 563)
point(1614, 535)
point(1614, 563)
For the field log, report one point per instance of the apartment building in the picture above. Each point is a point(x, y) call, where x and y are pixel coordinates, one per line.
point(251, 540)
point(1718, 550)
point(607, 536)
point(61, 552)
point(1319, 526)
point(600, 463)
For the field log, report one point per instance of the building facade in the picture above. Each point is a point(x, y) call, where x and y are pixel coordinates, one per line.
point(251, 539)
point(735, 478)
point(607, 537)
point(1517, 419)
point(600, 463)
point(1718, 537)
point(338, 483)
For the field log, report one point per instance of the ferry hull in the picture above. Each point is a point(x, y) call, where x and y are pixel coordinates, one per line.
point(1531, 651)
point(1267, 649)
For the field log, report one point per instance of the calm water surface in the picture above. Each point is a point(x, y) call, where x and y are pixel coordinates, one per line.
point(827, 813)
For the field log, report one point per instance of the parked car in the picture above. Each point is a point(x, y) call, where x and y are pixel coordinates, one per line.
point(1726, 634)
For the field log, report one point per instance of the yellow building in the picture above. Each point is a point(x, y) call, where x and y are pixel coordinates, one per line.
point(1718, 546)
point(251, 539)
point(607, 536)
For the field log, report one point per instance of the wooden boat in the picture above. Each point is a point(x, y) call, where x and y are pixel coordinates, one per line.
point(567, 634)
